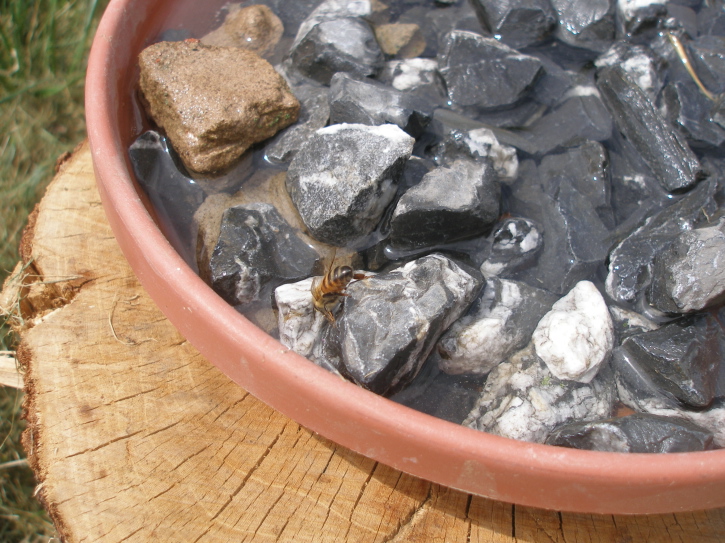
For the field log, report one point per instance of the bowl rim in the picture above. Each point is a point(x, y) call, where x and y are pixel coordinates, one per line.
point(413, 442)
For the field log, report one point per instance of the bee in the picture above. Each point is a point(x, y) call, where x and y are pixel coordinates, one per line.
point(328, 289)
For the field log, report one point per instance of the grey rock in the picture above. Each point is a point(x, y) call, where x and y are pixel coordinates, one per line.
point(483, 72)
point(628, 323)
point(630, 262)
point(523, 400)
point(340, 45)
point(499, 323)
point(576, 242)
point(636, 433)
point(682, 358)
point(392, 321)
point(516, 243)
point(577, 335)
point(518, 22)
point(690, 274)
point(368, 102)
point(342, 180)
point(674, 164)
point(256, 251)
point(586, 23)
point(314, 114)
point(711, 20)
point(175, 196)
point(449, 204)
point(478, 144)
point(579, 118)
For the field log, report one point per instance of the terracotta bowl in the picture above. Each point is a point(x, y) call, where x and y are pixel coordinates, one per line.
point(436, 450)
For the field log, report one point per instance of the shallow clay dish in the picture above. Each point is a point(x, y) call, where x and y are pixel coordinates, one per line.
point(458, 457)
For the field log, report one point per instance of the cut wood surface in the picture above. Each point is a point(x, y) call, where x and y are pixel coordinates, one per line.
point(135, 437)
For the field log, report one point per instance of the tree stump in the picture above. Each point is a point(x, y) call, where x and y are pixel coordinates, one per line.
point(133, 436)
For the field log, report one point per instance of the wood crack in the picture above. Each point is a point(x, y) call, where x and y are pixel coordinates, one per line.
point(112, 441)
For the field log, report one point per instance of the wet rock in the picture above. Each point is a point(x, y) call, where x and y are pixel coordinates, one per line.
point(255, 28)
point(515, 245)
point(256, 252)
point(637, 390)
point(682, 358)
point(575, 242)
point(448, 397)
point(371, 103)
point(630, 262)
point(628, 323)
point(690, 274)
point(586, 167)
point(689, 109)
point(314, 114)
point(707, 54)
point(518, 22)
point(523, 400)
point(400, 39)
point(674, 164)
point(577, 119)
point(640, 64)
point(449, 204)
point(334, 38)
point(174, 196)
point(585, 23)
point(412, 74)
point(640, 17)
point(711, 20)
point(483, 72)
point(213, 102)
point(478, 144)
point(392, 321)
point(499, 323)
point(577, 336)
point(636, 433)
point(342, 180)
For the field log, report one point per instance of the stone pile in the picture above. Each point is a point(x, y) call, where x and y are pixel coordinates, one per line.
point(530, 192)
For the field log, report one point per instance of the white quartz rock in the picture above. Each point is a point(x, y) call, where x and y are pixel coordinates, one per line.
point(299, 324)
point(577, 335)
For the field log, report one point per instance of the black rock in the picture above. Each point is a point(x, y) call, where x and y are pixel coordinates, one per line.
point(392, 321)
point(640, 19)
point(479, 145)
point(711, 20)
point(574, 121)
point(707, 54)
point(499, 323)
point(518, 22)
point(449, 204)
point(347, 44)
point(586, 167)
point(175, 196)
point(642, 65)
point(689, 275)
point(586, 23)
point(575, 240)
point(630, 263)
point(681, 19)
point(256, 252)
point(662, 148)
point(371, 103)
point(636, 433)
point(689, 109)
point(483, 72)
point(345, 176)
point(314, 114)
point(682, 358)
point(515, 245)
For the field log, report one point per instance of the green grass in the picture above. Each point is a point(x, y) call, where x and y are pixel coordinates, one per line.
point(43, 51)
